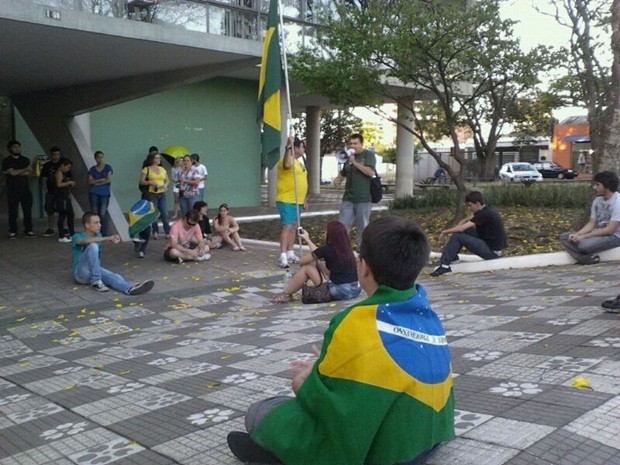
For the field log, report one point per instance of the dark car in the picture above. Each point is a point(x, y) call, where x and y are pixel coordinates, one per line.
point(549, 169)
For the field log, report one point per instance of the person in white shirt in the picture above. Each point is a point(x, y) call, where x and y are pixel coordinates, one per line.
point(202, 170)
point(602, 232)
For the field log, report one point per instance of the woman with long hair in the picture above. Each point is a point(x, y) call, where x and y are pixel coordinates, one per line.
point(337, 263)
point(227, 227)
point(189, 178)
point(64, 183)
point(156, 177)
point(175, 173)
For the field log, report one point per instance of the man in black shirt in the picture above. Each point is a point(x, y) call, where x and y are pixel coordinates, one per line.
point(483, 234)
point(17, 169)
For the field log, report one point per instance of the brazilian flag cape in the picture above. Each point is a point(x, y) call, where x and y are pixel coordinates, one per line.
point(141, 215)
point(379, 393)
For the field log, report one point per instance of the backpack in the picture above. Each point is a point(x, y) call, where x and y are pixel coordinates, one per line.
point(144, 188)
point(376, 191)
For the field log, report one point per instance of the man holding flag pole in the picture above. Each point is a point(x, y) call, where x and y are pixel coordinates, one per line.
point(292, 183)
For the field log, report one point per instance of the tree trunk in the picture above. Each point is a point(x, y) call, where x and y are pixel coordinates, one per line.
point(610, 145)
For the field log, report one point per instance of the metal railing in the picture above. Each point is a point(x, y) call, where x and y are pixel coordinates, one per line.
point(244, 19)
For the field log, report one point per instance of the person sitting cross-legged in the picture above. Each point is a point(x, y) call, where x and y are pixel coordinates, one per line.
point(186, 242)
point(87, 269)
point(602, 232)
point(483, 234)
point(380, 391)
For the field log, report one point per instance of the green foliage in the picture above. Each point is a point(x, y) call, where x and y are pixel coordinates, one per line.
point(551, 195)
point(532, 116)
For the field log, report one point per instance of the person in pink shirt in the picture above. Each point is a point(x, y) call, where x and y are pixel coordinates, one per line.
point(186, 241)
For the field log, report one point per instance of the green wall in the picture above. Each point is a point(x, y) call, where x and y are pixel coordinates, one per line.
point(215, 119)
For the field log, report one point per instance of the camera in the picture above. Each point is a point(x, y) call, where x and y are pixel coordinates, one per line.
point(300, 230)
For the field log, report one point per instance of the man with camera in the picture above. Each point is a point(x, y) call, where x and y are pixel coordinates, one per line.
point(358, 172)
point(291, 190)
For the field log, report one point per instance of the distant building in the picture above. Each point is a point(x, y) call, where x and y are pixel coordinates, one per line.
point(571, 137)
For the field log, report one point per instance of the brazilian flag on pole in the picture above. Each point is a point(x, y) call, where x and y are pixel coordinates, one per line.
point(269, 90)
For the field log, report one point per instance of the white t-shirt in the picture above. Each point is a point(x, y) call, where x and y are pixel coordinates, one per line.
point(605, 211)
point(202, 170)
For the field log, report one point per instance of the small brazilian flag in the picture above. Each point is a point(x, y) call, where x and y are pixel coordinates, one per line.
point(269, 90)
point(141, 215)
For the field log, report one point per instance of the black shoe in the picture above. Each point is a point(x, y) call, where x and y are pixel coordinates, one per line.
point(441, 270)
point(49, 232)
point(246, 450)
point(612, 305)
point(591, 260)
point(142, 288)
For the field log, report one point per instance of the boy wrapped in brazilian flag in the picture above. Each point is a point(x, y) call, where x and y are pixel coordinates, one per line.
point(380, 391)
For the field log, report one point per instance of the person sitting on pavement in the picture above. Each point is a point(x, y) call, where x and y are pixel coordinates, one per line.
point(291, 191)
point(381, 389)
point(228, 228)
point(483, 234)
point(214, 242)
point(602, 232)
point(612, 305)
point(337, 263)
point(87, 269)
point(186, 242)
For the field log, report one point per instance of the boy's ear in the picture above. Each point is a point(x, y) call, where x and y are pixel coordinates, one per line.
point(364, 269)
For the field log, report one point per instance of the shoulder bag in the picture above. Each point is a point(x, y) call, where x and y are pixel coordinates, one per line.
point(316, 294)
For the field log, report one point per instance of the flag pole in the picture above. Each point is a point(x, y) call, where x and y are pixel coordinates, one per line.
point(289, 113)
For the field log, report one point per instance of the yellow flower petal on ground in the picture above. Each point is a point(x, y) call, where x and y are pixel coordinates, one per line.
point(118, 306)
point(99, 367)
point(74, 334)
point(19, 320)
point(69, 387)
point(581, 383)
point(124, 372)
point(589, 280)
point(212, 385)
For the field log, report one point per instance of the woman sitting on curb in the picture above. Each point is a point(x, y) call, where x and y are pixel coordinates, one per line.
point(227, 227)
point(337, 263)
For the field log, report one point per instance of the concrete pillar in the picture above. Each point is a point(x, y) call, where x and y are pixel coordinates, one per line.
point(79, 126)
point(404, 153)
point(313, 149)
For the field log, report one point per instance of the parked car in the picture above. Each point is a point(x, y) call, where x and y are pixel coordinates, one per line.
point(548, 169)
point(519, 171)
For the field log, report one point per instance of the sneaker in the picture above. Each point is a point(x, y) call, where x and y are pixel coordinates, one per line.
point(64, 239)
point(154, 236)
point(99, 286)
point(246, 450)
point(141, 255)
point(204, 258)
point(48, 232)
point(12, 235)
point(441, 270)
point(612, 305)
point(292, 258)
point(30, 234)
point(142, 288)
point(283, 262)
point(179, 260)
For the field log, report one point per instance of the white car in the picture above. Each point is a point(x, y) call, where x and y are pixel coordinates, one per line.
point(519, 171)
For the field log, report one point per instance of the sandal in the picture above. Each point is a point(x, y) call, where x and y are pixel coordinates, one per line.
point(283, 298)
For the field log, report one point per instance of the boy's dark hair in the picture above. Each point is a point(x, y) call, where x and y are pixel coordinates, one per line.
point(474, 197)
point(87, 216)
point(54, 149)
point(608, 179)
point(11, 143)
point(356, 136)
point(199, 204)
point(396, 250)
point(194, 157)
point(193, 216)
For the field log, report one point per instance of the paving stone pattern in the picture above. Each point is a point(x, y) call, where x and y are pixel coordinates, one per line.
point(87, 378)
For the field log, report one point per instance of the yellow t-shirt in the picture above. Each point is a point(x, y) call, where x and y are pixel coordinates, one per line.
point(159, 178)
point(285, 186)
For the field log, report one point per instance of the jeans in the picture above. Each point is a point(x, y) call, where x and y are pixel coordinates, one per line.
point(99, 205)
point(89, 271)
point(358, 213)
point(470, 240)
point(186, 204)
point(159, 200)
point(15, 197)
point(586, 248)
point(65, 211)
point(344, 291)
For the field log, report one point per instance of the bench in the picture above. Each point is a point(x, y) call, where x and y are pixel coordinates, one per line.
point(387, 186)
point(431, 183)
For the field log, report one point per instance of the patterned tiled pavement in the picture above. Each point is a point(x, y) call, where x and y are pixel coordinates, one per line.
point(96, 378)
